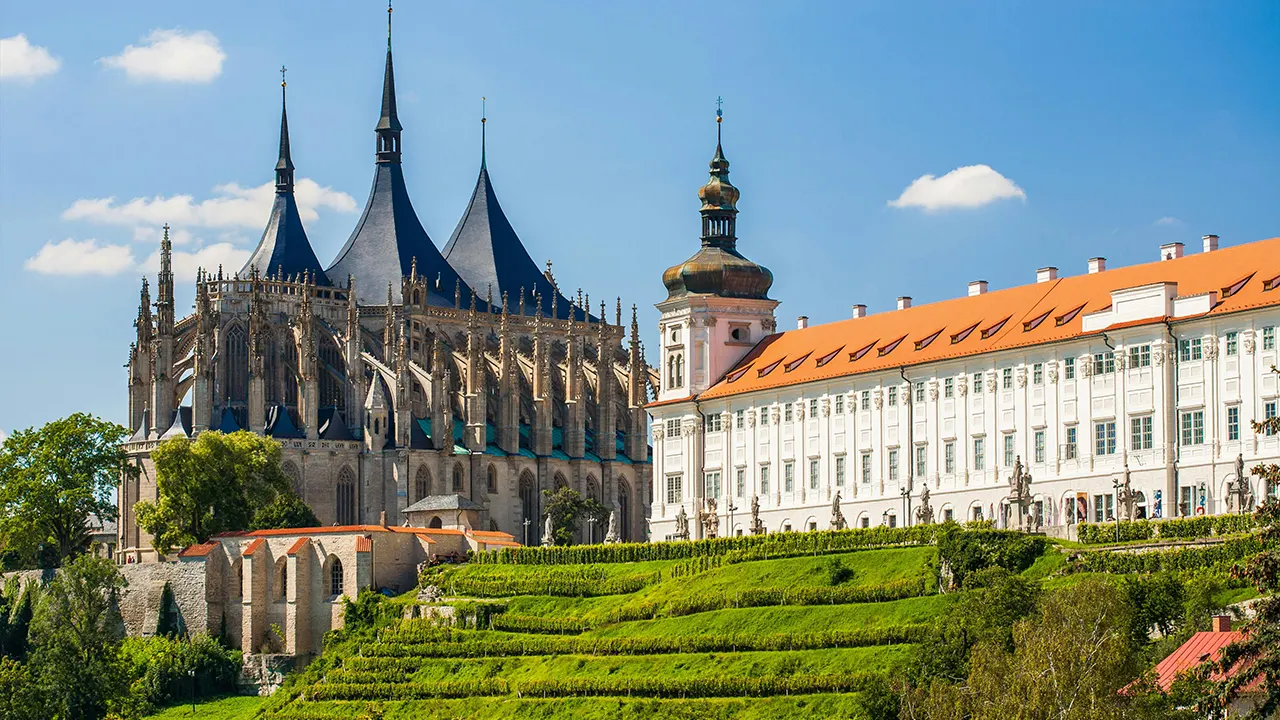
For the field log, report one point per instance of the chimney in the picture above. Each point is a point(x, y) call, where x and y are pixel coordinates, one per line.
point(904, 302)
point(859, 311)
point(1210, 243)
point(382, 518)
point(1097, 265)
point(977, 287)
point(1047, 274)
point(802, 322)
point(1221, 623)
point(1171, 251)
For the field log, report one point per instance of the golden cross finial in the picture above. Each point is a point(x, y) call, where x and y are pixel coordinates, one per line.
point(283, 69)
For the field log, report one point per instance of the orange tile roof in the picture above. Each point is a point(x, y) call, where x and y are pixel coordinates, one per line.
point(253, 547)
point(297, 545)
point(1244, 276)
point(364, 544)
point(198, 550)
point(1200, 648)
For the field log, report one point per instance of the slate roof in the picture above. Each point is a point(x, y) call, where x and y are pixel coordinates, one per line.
point(181, 426)
point(443, 502)
point(488, 254)
point(1241, 277)
point(333, 426)
point(280, 424)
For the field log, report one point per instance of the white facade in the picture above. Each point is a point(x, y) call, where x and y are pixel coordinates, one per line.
point(1172, 400)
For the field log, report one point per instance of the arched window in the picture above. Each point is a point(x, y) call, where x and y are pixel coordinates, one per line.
point(233, 579)
point(529, 526)
point(560, 482)
point(282, 579)
point(295, 476)
point(333, 371)
point(421, 483)
point(492, 485)
point(457, 478)
point(237, 372)
point(346, 497)
point(335, 576)
point(435, 523)
point(593, 488)
point(624, 510)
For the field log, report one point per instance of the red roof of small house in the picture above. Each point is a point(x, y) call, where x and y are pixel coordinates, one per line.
point(298, 545)
point(1201, 648)
point(364, 544)
point(253, 547)
point(198, 550)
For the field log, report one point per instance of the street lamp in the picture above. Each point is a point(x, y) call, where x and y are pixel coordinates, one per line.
point(906, 499)
point(526, 532)
point(191, 673)
point(731, 508)
point(591, 530)
point(1115, 494)
point(884, 519)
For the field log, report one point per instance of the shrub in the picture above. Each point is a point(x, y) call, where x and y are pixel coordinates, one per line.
point(1176, 560)
point(1172, 529)
point(967, 551)
point(703, 687)
point(161, 667)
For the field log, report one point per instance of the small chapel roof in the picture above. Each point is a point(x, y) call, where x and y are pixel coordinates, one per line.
point(451, 501)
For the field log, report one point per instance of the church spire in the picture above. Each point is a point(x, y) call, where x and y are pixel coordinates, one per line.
point(719, 197)
point(388, 128)
point(483, 121)
point(284, 166)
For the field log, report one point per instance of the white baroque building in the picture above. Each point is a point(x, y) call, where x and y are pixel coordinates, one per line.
point(1157, 369)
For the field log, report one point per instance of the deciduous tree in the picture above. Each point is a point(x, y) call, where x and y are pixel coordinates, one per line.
point(567, 508)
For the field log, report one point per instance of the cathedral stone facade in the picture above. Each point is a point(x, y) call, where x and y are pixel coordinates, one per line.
point(400, 373)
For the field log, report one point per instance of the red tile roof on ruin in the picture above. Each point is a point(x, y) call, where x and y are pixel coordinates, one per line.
point(1242, 277)
point(198, 550)
point(297, 545)
point(253, 547)
point(364, 544)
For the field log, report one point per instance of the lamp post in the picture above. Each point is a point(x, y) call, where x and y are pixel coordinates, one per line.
point(730, 509)
point(191, 673)
point(1115, 494)
point(884, 519)
point(526, 532)
point(591, 530)
point(906, 500)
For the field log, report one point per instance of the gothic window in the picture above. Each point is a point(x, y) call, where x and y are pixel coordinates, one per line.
point(282, 579)
point(335, 576)
point(624, 510)
point(421, 483)
point(295, 476)
point(593, 488)
point(457, 478)
point(237, 369)
point(492, 485)
point(529, 508)
point(234, 580)
point(333, 373)
point(346, 497)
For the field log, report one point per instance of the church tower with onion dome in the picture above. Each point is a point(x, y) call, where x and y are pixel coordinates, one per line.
point(718, 305)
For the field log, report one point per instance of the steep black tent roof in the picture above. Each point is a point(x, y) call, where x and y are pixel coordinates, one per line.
point(284, 248)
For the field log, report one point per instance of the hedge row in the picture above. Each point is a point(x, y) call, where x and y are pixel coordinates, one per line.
point(408, 690)
point(1177, 528)
point(660, 645)
point(1176, 560)
point(749, 547)
point(700, 687)
point(535, 624)
point(771, 597)
point(560, 587)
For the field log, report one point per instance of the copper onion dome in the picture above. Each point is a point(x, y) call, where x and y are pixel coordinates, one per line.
point(718, 268)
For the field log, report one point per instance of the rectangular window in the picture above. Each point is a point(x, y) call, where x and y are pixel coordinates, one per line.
point(673, 428)
point(839, 471)
point(813, 408)
point(787, 413)
point(1140, 435)
point(1037, 374)
point(675, 493)
point(866, 468)
point(1069, 448)
point(949, 388)
point(1104, 363)
point(764, 479)
point(813, 474)
point(1008, 450)
point(741, 482)
point(1185, 497)
point(948, 515)
point(977, 383)
point(893, 395)
point(1039, 441)
point(1233, 422)
point(739, 419)
point(789, 476)
point(866, 523)
point(1192, 427)
point(1104, 508)
point(920, 392)
point(1269, 338)
point(979, 453)
point(949, 456)
point(840, 404)
point(1104, 438)
point(1140, 356)
point(1006, 379)
point(1069, 369)
point(1189, 350)
point(715, 422)
point(922, 460)
point(866, 399)
point(1233, 343)
point(1268, 412)
point(713, 485)
point(764, 417)
point(893, 465)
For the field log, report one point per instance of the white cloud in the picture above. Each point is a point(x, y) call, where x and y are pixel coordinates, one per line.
point(209, 257)
point(24, 62)
point(87, 257)
point(171, 56)
point(232, 206)
point(1169, 221)
point(152, 235)
point(970, 186)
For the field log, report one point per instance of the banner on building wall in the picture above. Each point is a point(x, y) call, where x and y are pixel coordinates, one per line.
point(1082, 507)
point(1157, 511)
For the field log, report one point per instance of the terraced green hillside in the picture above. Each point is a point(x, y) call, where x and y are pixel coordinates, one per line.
point(705, 637)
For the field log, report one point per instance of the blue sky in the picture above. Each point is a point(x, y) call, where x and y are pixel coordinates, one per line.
point(1105, 129)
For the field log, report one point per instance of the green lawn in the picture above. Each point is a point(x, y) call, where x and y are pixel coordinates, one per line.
point(229, 708)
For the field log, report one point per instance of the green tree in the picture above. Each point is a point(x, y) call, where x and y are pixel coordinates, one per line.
point(20, 697)
point(287, 510)
point(210, 485)
point(16, 639)
point(568, 508)
point(52, 479)
point(994, 599)
point(76, 638)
